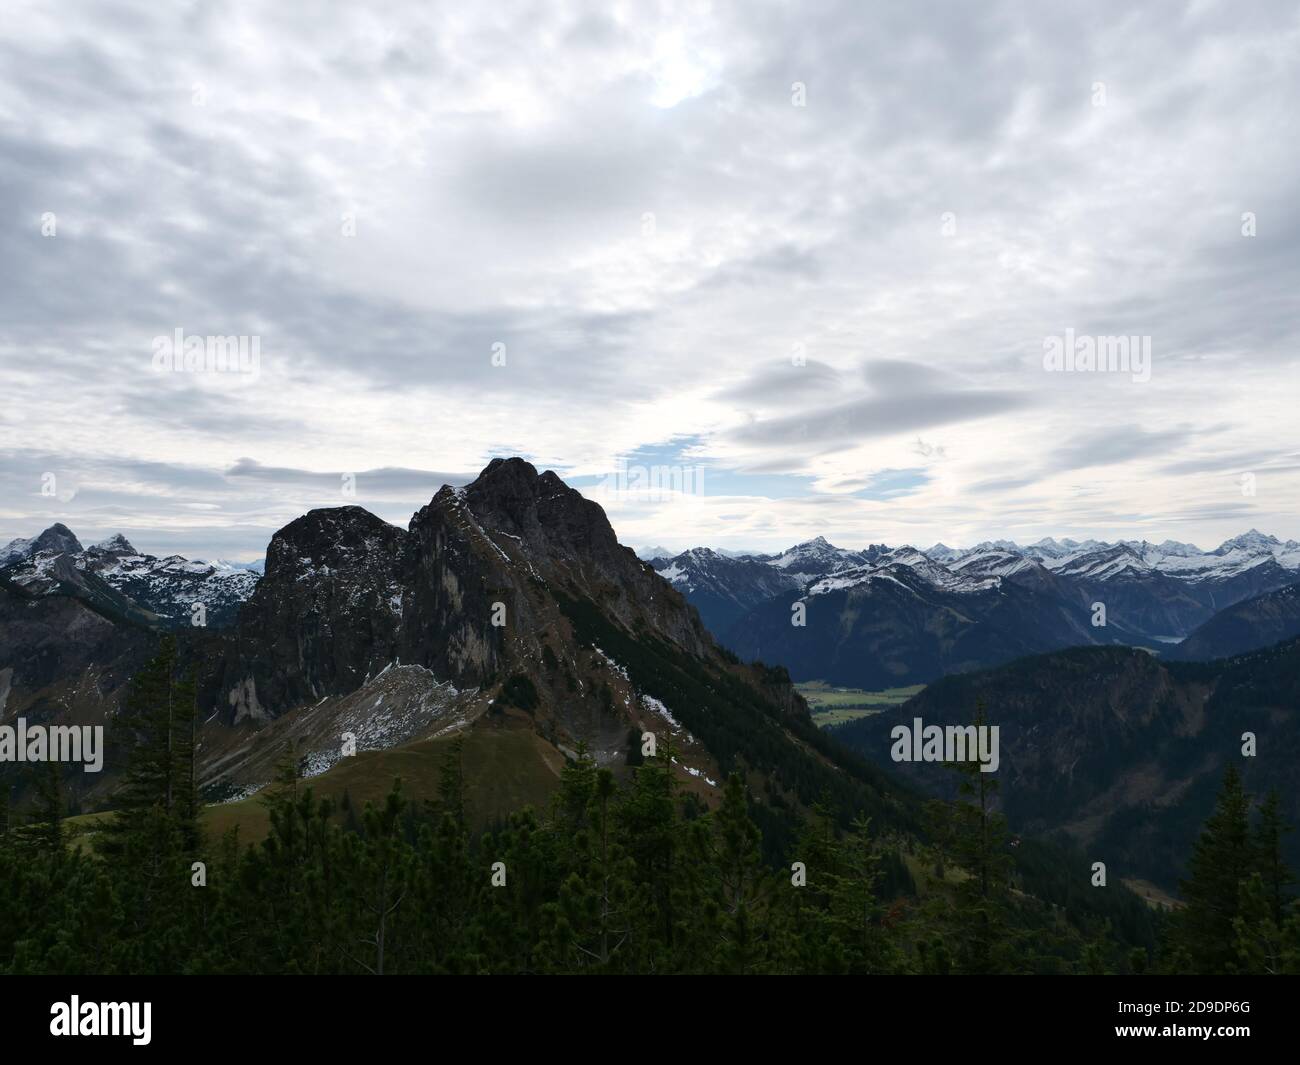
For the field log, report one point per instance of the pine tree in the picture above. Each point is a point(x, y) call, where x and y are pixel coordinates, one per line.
point(381, 873)
point(577, 785)
point(979, 844)
point(184, 727)
point(158, 727)
point(1257, 933)
point(740, 885)
point(808, 937)
point(46, 831)
point(654, 836)
point(1267, 839)
point(1221, 858)
point(513, 918)
point(451, 782)
point(592, 916)
point(855, 906)
point(633, 756)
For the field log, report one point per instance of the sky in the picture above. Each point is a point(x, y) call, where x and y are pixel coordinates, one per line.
point(744, 274)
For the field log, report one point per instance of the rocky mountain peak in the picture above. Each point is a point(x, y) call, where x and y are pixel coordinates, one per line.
point(334, 538)
point(1251, 541)
point(473, 592)
point(555, 521)
point(117, 544)
point(58, 537)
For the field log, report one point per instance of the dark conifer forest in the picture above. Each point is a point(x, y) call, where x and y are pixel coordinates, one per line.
point(636, 878)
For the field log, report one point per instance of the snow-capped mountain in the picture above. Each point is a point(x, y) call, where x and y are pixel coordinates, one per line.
point(57, 538)
point(256, 566)
point(818, 558)
point(161, 591)
point(905, 619)
point(1168, 589)
point(887, 566)
point(1102, 560)
point(943, 553)
point(1101, 564)
point(723, 588)
point(994, 563)
point(1154, 594)
point(1254, 542)
point(1049, 548)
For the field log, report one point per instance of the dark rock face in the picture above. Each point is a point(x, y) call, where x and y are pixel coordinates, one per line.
point(571, 543)
point(325, 615)
point(64, 657)
point(454, 576)
point(466, 593)
point(344, 540)
point(58, 537)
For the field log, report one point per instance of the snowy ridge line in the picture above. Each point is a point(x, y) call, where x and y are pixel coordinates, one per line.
point(819, 567)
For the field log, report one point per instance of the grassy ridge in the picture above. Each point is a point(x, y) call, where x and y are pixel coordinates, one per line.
point(505, 770)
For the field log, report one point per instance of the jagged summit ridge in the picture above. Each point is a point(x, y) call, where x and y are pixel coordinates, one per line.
point(58, 538)
point(117, 544)
point(469, 591)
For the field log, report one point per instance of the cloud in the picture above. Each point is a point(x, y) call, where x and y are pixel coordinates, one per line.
point(905, 397)
point(635, 217)
point(1122, 443)
point(783, 383)
point(386, 483)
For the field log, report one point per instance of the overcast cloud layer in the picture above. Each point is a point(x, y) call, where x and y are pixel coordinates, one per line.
point(814, 250)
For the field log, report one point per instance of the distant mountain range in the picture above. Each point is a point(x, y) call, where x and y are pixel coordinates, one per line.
point(648, 553)
point(874, 617)
point(883, 617)
point(115, 576)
